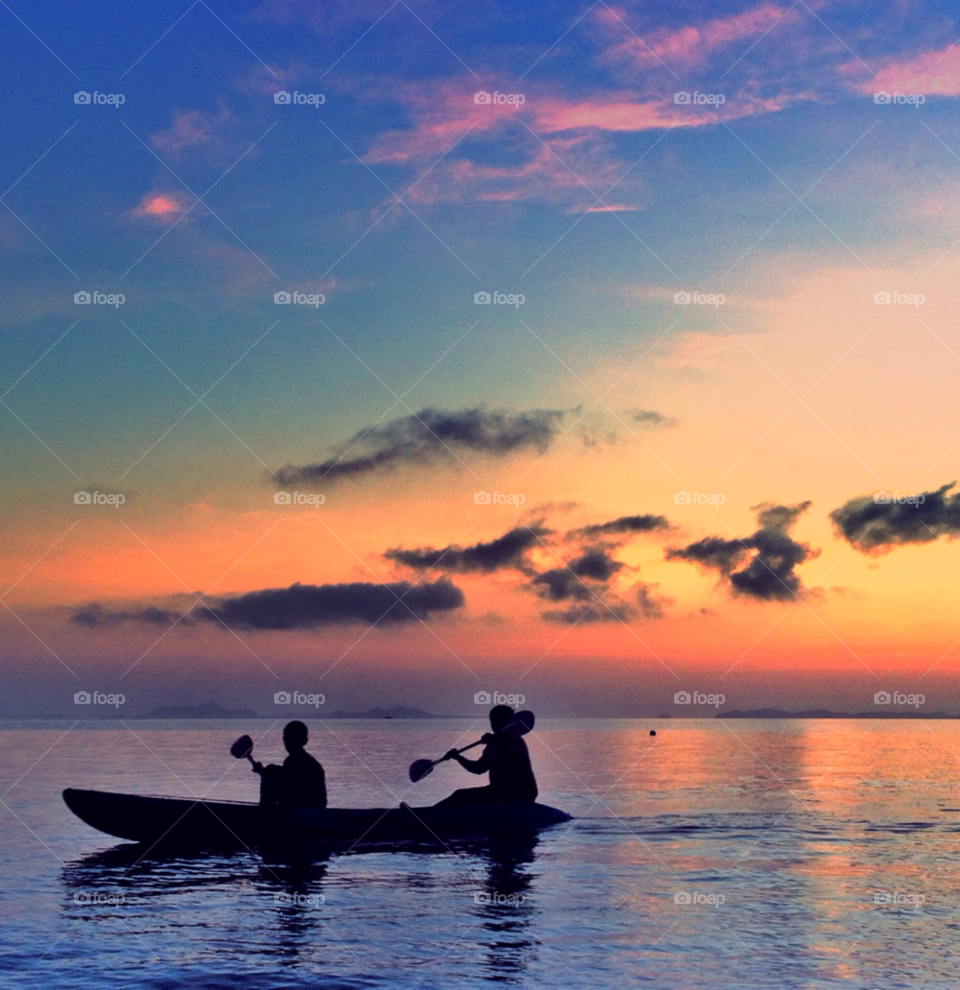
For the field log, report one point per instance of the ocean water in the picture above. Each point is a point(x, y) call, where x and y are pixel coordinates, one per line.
point(716, 854)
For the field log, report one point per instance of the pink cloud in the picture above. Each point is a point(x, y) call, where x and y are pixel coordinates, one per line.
point(687, 45)
point(161, 207)
point(611, 208)
point(561, 140)
point(189, 128)
point(936, 73)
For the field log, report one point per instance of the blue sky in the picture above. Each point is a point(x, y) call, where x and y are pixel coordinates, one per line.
point(597, 199)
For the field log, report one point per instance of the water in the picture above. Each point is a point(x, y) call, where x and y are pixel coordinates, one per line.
point(781, 835)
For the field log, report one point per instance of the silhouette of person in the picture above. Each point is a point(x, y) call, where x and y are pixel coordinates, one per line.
point(505, 758)
point(300, 782)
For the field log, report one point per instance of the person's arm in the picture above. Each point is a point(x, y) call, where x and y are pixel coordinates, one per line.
point(474, 766)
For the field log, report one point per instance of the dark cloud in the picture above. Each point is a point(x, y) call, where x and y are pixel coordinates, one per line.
point(559, 584)
point(623, 525)
point(647, 417)
point(303, 606)
point(770, 555)
point(429, 436)
point(562, 583)
point(877, 527)
point(651, 604)
point(481, 558)
point(306, 606)
point(95, 616)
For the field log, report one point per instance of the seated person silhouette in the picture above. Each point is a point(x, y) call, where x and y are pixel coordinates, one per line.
point(300, 782)
point(505, 758)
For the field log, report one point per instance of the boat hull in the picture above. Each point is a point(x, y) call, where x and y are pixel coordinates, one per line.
point(184, 822)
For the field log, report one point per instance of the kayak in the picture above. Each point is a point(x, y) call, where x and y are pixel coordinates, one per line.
point(185, 822)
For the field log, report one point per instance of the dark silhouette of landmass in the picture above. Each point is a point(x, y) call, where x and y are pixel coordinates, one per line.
point(826, 713)
point(398, 711)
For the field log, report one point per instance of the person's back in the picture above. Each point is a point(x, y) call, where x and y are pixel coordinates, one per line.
point(300, 782)
point(304, 782)
point(511, 774)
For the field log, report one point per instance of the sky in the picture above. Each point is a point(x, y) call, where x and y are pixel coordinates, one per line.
point(620, 359)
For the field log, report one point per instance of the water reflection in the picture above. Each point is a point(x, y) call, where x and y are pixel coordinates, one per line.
point(506, 907)
point(483, 901)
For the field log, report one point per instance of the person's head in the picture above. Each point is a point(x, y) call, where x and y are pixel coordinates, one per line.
point(294, 736)
point(500, 716)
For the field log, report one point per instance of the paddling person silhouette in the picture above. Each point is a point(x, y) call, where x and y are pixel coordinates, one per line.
point(505, 758)
point(300, 782)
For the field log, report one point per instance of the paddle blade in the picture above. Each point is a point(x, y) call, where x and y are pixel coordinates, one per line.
point(419, 769)
point(523, 722)
point(242, 748)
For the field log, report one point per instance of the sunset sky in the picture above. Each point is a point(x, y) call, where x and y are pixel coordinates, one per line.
point(736, 152)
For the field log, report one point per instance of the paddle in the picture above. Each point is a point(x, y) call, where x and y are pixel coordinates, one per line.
point(522, 721)
point(242, 749)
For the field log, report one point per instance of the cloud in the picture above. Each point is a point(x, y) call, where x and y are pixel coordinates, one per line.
point(191, 129)
point(769, 575)
point(565, 583)
point(301, 606)
point(307, 606)
point(686, 46)
point(482, 558)
point(95, 616)
point(648, 417)
point(427, 437)
point(623, 525)
point(936, 73)
point(554, 148)
point(651, 604)
point(160, 207)
point(875, 528)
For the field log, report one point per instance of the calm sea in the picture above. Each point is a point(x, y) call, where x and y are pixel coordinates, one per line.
point(736, 854)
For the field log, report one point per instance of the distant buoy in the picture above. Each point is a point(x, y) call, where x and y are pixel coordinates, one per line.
point(653, 732)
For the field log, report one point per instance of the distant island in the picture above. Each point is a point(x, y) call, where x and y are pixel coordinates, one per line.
point(826, 713)
point(398, 711)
